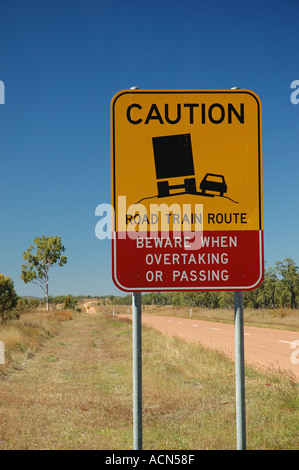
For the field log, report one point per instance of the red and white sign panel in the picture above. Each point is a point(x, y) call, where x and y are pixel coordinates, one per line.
point(187, 190)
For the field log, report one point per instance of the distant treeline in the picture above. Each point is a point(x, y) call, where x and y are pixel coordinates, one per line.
point(280, 288)
point(31, 303)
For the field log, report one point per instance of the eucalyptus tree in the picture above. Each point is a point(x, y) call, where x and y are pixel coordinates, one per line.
point(45, 253)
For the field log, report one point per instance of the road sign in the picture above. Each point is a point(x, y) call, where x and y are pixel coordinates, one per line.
point(187, 190)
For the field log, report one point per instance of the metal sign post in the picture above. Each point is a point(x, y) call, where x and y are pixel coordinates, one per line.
point(137, 371)
point(240, 372)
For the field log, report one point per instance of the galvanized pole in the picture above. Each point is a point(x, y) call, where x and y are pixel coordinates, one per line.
point(137, 371)
point(240, 372)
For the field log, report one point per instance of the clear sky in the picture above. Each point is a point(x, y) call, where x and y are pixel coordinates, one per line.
point(62, 61)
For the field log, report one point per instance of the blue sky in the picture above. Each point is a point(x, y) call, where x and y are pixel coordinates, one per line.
point(63, 61)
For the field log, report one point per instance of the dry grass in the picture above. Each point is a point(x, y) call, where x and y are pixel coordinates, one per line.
point(67, 396)
point(190, 400)
point(76, 393)
point(22, 338)
point(59, 315)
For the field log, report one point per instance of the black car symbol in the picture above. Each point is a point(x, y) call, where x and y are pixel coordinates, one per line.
point(213, 182)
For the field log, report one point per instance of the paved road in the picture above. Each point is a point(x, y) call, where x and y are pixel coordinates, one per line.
point(263, 346)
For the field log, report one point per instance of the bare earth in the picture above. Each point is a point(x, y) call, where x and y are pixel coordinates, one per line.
point(89, 308)
point(264, 347)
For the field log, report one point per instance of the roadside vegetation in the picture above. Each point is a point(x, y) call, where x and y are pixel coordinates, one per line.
point(66, 380)
point(72, 389)
point(24, 337)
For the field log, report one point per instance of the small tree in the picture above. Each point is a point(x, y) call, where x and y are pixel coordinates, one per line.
point(290, 279)
point(70, 302)
point(270, 286)
point(8, 297)
point(226, 299)
point(45, 254)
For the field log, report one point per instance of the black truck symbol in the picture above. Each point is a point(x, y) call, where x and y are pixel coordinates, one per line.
point(174, 159)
